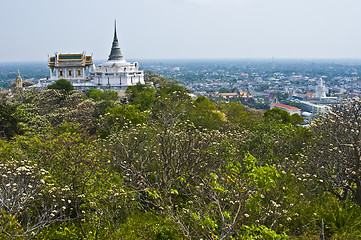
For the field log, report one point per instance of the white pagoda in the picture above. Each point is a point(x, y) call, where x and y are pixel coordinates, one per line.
point(116, 73)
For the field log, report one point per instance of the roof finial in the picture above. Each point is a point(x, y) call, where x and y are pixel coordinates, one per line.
point(115, 29)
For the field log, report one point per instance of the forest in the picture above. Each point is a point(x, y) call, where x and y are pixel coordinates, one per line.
point(162, 165)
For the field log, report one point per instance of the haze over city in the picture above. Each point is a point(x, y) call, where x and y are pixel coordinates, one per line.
point(181, 29)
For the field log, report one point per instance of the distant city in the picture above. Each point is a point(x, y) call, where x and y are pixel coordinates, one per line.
point(257, 83)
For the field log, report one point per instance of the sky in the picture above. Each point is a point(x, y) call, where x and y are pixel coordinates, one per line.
point(181, 29)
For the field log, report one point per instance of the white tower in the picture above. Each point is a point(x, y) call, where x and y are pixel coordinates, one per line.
point(116, 73)
point(320, 90)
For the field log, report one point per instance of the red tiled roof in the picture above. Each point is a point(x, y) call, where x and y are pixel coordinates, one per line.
point(288, 107)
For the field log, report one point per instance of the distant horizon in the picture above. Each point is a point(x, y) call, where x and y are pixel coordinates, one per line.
point(205, 59)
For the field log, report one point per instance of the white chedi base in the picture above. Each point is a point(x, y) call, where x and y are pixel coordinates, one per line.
point(117, 73)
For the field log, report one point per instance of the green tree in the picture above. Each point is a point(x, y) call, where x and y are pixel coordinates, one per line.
point(277, 114)
point(170, 109)
point(281, 96)
point(106, 95)
point(296, 119)
point(240, 115)
point(141, 95)
point(224, 90)
point(171, 86)
point(105, 99)
point(62, 84)
point(120, 116)
point(205, 114)
point(9, 120)
point(156, 79)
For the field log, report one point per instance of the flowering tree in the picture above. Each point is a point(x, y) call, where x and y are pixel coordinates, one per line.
point(52, 107)
point(28, 197)
point(335, 154)
point(58, 177)
point(79, 167)
point(199, 179)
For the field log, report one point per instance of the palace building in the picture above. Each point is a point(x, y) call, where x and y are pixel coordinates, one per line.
point(79, 70)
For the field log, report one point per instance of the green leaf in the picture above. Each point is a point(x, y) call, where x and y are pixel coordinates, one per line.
point(173, 191)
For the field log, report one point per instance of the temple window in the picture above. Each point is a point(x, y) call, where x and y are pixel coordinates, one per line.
point(79, 73)
point(61, 73)
point(69, 73)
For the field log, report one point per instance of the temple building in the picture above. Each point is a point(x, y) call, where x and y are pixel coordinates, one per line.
point(71, 67)
point(79, 70)
point(74, 67)
point(116, 73)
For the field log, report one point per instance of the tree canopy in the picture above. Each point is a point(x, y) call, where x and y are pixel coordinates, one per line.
point(163, 165)
point(62, 84)
point(9, 121)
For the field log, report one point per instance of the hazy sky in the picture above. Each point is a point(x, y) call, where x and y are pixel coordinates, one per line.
point(32, 29)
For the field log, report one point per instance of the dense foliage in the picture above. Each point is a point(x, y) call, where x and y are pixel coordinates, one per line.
point(161, 165)
point(62, 85)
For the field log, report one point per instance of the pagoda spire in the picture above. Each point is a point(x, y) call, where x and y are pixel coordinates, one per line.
point(18, 82)
point(115, 53)
point(115, 30)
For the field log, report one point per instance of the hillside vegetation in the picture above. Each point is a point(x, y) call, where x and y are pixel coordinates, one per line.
point(161, 165)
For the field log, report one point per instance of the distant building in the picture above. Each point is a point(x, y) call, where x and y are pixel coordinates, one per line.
point(238, 94)
point(290, 109)
point(315, 108)
point(320, 90)
point(18, 82)
point(299, 96)
point(228, 96)
point(245, 94)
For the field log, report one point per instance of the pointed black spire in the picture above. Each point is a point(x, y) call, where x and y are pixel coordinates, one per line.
point(115, 30)
point(115, 53)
